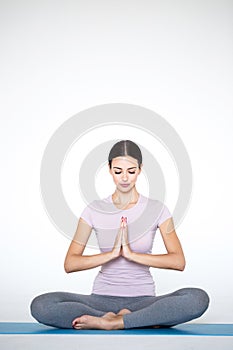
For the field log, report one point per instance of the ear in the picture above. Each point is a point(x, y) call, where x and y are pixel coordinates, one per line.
point(140, 169)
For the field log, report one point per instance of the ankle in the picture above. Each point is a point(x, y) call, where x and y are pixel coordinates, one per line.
point(118, 322)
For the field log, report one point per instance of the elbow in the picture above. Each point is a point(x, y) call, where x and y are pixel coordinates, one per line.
point(181, 265)
point(70, 267)
point(67, 266)
point(181, 268)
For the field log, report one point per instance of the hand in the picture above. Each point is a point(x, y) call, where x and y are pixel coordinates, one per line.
point(121, 245)
point(126, 251)
point(116, 251)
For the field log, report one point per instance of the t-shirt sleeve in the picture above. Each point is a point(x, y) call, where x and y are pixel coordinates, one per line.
point(165, 214)
point(86, 215)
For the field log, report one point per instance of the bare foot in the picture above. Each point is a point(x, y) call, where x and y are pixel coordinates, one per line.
point(124, 312)
point(108, 321)
point(109, 315)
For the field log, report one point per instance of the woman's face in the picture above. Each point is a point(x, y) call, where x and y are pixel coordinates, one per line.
point(124, 171)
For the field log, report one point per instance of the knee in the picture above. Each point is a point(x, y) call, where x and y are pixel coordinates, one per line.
point(202, 297)
point(37, 307)
point(40, 306)
point(199, 301)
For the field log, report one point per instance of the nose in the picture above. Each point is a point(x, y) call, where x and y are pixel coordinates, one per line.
point(124, 176)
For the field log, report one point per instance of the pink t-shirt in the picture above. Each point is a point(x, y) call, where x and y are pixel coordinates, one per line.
point(121, 277)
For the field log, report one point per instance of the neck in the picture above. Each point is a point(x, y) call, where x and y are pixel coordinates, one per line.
point(123, 200)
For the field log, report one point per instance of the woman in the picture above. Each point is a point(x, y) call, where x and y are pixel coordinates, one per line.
point(123, 294)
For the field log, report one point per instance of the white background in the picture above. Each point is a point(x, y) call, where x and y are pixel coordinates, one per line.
point(61, 57)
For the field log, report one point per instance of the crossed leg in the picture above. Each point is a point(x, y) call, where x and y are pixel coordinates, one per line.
point(166, 311)
point(67, 310)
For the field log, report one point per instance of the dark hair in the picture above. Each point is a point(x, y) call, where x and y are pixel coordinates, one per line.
point(125, 148)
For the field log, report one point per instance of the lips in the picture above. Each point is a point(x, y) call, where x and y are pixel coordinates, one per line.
point(125, 185)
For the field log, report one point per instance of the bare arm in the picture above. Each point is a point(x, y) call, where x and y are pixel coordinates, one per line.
point(76, 261)
point(173, 259)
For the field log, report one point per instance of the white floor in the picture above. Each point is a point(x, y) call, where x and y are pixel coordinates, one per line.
point(112, 342)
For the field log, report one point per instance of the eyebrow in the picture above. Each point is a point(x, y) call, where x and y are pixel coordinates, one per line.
point(116, 167)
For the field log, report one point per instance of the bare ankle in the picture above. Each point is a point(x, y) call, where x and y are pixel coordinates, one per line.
point(117, 322)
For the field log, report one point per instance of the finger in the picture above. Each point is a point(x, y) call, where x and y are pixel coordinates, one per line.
point(118, 238)
point(125, 235)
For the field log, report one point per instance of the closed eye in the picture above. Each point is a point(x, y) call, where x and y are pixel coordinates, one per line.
point(131, 170)
point(119, 172)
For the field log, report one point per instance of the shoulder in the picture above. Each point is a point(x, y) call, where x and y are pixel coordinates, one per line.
point(100, 205)
point(156, 209)
point(153, 203)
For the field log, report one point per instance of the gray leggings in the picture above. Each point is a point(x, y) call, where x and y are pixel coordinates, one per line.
point(59, 309)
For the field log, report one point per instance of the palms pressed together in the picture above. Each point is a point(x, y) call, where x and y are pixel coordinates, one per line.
point(110, 320)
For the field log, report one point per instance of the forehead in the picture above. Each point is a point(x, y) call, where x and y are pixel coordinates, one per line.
point(124, 162)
